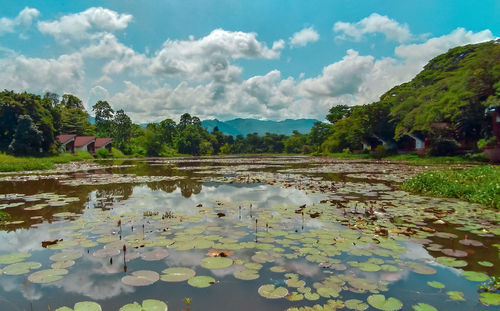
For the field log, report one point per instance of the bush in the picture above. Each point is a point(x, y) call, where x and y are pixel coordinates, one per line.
point(103, 153)
point(446, 147)
point(487, 142)
point(380, 152)
point(117, 153)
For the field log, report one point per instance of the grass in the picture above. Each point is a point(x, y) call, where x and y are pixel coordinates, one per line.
point(412, 158)
point(14, 164)
point(479, 184)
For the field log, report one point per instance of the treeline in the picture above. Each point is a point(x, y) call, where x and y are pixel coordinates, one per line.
point(30, 123)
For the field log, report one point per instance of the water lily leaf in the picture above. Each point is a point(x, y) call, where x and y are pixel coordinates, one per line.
point(379, 302)
point(485, 263)
point(423, 307)
point(475, 276)
point(454, 252)
point(47, 276)
point(328, 292)
point(157, 254)
point(216, 262)
point(492, 299)
point(278, 269)
point(246, 274)
point(106, 252)
point(82, 306)
point(141, 278)
point(21, 267)
point(62, 264)
point(422, 269)
point(66, 255)
point(271, 292)
point(147, 305)
point(311, 296)
point(369, 267)
point(355, 304)
point(294, 296)
point(435, 284)
point(456, 295)
point(13, 258)
point(177, 274)
point(201, 281)
point(451, 262)
point(295, 283)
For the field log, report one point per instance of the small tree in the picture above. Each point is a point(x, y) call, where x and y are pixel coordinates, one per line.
point(27, 139)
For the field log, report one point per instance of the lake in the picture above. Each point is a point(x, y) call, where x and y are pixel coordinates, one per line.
point(241, 233)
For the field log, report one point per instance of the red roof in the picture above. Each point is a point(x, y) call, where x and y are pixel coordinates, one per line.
point(101, 142)
point(81, 141)
point(65, 138)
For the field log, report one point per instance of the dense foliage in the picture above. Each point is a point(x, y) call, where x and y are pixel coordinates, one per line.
point(478, 184)
point(443, 105)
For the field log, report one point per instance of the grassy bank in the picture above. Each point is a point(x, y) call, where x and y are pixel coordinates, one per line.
point(14, 164)
point(478, 184)
point(412, 158)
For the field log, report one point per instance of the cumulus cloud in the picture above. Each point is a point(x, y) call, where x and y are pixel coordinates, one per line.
point(62, 74)
point(303, 37)
point(375, 23)
point(82, 25)
point(24, 19)
point(210, 56)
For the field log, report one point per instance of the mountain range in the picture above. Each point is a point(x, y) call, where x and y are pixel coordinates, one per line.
point(243, 127)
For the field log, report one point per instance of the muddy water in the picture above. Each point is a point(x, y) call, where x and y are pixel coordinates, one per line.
point(326, 232)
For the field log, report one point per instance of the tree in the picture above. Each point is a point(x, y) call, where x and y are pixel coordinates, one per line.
point(338, 112)
point(103, 118)
point(185, 121)
point(27, 138)
point(319, 133)
point(122, 130)
point(71, 101)
point(168, 131)
point(189, 140)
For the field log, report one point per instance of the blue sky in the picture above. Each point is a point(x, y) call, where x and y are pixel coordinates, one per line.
point(223, 59)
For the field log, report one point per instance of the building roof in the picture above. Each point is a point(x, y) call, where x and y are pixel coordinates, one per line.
point(101, 142)
point(65, 138)
point(81, 141)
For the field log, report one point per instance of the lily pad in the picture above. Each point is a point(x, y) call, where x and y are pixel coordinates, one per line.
point(456, 295)
point(66, 255)
point(423, 307)
point(271, 292)
point(246, 274)
point(141, 278)
point(13, 258)
point(21, 267)
point(475, 276)
point(355, 304)
point(492, 299)
point(157, 254)
point(147, 305)
point(451, 262)
point(47, 276)
point(177, 274)
point(216, 262)
point(82, 306)
point(435, 284)
point(389, 304)
point(485, 263)
point(201, 281)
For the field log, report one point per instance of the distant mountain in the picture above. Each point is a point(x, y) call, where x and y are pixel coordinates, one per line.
point(246, 126)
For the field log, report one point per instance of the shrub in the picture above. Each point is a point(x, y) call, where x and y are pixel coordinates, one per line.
point(117, 153)
point(380, 152)
point(103, 153)
point(446, 147)
point(487, 142)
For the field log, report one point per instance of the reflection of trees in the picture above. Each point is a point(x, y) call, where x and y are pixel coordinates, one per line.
point(105, 194)
point(188, 186)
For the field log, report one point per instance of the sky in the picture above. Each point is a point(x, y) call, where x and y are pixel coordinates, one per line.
point(225, 59)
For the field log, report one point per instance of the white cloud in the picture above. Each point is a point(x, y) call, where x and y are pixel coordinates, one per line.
point(62, 74)
point(209, 57)
point(303, 37)
point(374, 23)
point(82, 25)
point(24, 18)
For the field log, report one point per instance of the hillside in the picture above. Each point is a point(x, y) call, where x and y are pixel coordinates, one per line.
point(446, 101)
point(246, 126)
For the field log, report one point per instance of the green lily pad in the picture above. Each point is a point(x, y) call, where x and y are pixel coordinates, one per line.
point(147, 305)
point(423, 307)
point(456, 295)
point(47, 276)
point(21, 267)
point(246, 274)
point(294, 296)
point(216, 262)
point(435, 284)
point(271, 292)
point(13, 258)
point(475, 276)
point(311, 296)
point(485, 263)
point(355, 304)
point(451, 262)
point(62, 264)
point(369, 267)
point(295, 283)
point(492, 299)
point(177, 274)
point(66, 255)
point(379, 302)
point(141, 278)
point(201, 281)
point(82, 306)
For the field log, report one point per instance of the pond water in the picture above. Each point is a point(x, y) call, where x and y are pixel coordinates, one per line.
point(262, 233)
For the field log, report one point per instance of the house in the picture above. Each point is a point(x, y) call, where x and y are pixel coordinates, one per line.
point(85, 143)
point(103, 143)
point(67, 143)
